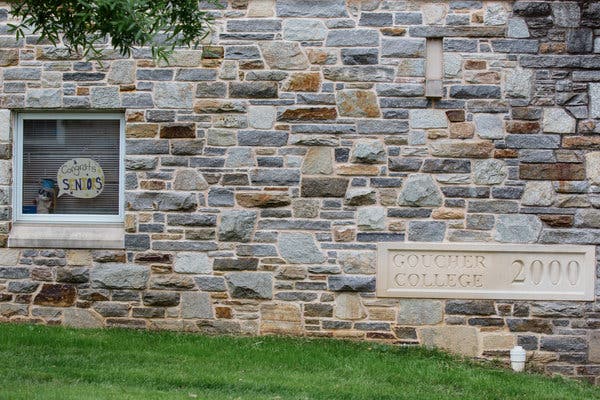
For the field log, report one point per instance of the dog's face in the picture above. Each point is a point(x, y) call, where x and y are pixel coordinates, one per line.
point(44, 194)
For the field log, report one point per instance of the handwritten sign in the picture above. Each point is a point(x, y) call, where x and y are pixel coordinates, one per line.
point(80, 177)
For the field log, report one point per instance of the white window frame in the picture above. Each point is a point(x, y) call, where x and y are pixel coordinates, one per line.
point(19, 216)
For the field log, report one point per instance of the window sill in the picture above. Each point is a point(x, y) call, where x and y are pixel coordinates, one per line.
point(67, 236)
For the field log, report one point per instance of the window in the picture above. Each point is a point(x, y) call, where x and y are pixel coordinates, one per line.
point(69, 168)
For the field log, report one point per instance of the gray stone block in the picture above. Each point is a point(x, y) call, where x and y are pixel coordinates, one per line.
point(299, 248)
point(420, 190)
point(119, 276)
point(302, 8)
point(250, 285)
point(426, 231)
point(237, 226)
point(262, 138)
point(351, 283)
point(420, 312)
point(515, 228)
point(352, 38)
point(196, 305)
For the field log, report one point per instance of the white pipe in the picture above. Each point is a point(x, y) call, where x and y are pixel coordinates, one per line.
point(517, 358)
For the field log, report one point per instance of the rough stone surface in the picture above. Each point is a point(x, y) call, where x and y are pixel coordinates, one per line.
point(192, 263)
point(189, 179)
point(81, 318)
point(299, 248)
point(428, 119)
point(281, 319)
point(284, 55)
point(369, 152)
point(461, 340)
point(557, 120)
point(349, 306)
point(592, 167)
point(371, 218)
point(196, 305)
point(517, 228)
point(318, 161)
point(358, 103)
point(357, 262)
point(304, 29)
point(426, 231)
point(237, 226)
point(420, 190)
point(250, 285)
point(119, 276)
point(56, 295)
point(420, 312)
point(489, 172)
point(261, 117)
point(539, 194)
point(488, 126)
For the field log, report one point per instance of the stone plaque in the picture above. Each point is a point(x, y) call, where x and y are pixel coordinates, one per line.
point(486, 271)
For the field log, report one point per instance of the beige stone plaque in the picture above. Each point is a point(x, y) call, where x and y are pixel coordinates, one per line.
point(486, 271)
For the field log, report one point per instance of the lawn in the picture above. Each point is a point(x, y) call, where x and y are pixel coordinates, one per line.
point(38, 362)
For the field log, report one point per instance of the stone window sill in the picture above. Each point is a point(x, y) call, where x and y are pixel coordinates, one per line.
point(67, 236)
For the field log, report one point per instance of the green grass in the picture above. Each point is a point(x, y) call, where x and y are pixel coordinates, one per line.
point(38, 362)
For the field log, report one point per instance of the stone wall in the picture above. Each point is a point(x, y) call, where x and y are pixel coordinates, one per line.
point(264, 168)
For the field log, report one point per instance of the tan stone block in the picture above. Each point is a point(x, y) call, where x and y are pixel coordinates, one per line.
point(497, 341)
point(9, 257)
point(261, 8)
point(348, 306)
point(344, 234)
point(79, 257)
point(262, 200)
point(398, 226)
point(358, 103)
point(434, 134)
point(141, 130)
point(388, 197)
point(460, 149)
point(318, 161)
point(280, 319)
point(461, 130)
point(448, 213)
point(145, 217)
point(304, 82)
point(461, 340)
point(362, 170)
point(592, 166)
point(393, 31)
point(541, 357)
point(319, 56)
point(484, 77)
point(382, 314)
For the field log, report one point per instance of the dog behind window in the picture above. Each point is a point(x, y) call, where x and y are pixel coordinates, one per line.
point(44, 201)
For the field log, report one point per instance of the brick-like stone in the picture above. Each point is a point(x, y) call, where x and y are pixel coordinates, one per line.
point(250, 285)
point(323, 187)
point(119, 276)
point(554, 172)
point(420, 312)
point(461, 340)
